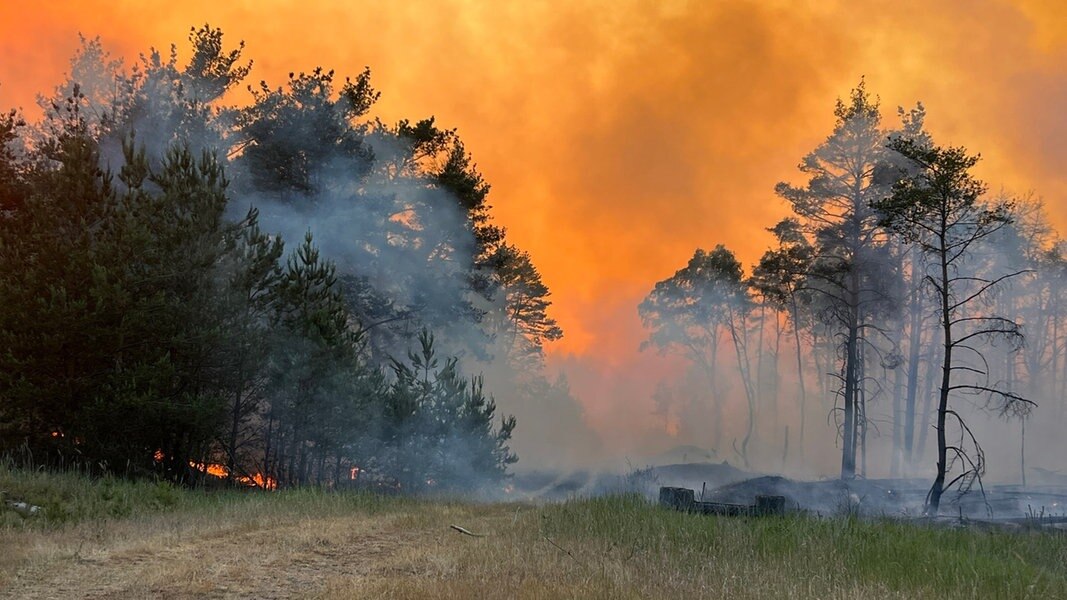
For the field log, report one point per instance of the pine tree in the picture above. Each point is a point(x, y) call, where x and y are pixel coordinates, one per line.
point(439, 426)
point(939, 208)
point(692, 311)
point(54, 330)
point(254, 273)
point(314, 343)
point(851, 258)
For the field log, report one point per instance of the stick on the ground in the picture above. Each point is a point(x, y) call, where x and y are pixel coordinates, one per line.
point(466, 532)
point(564, 550)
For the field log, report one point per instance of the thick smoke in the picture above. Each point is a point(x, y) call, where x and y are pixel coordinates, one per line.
point(839, 278)
point(405, 249)
point(755, 400)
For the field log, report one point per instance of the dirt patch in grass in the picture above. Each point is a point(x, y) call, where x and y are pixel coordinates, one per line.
point(254, 560)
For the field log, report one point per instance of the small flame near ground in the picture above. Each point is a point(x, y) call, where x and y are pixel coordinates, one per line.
point(215, 470)
point(221, 472)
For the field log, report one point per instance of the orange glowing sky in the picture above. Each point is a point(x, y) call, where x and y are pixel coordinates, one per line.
point(619, 135)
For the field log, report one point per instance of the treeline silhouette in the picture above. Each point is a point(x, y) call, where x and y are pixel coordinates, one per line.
point(900, 299)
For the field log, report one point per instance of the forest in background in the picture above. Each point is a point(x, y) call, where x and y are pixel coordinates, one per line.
point(902, 299)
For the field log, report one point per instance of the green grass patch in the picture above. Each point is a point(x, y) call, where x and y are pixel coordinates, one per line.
point(900, 557)
point(70, 497)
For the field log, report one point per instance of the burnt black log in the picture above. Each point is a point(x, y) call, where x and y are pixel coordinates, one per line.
point(684, 499)
point(677, 498)
point(770, 505)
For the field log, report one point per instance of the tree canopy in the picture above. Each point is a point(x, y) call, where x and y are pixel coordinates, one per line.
point(155, 323)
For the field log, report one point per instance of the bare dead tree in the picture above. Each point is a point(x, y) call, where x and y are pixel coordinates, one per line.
point(939, 208)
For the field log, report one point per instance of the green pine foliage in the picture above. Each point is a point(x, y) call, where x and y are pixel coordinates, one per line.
point(153, 324)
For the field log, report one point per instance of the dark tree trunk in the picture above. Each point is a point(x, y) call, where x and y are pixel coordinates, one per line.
point(800, 373)
point(932, 359)
point(914, 344)
point(934, 499)
point(848, 441)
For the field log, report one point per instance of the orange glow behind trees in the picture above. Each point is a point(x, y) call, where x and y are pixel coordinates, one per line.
point(620, 136)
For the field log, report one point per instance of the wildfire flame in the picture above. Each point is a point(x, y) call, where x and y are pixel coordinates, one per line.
point(221, 472)
point(215, 470)
point(257, 480)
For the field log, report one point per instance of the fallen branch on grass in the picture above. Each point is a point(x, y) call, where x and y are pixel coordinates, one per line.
point(466, 532)
point(565, 551)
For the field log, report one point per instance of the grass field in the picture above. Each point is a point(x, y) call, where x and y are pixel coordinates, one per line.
point(116, 539)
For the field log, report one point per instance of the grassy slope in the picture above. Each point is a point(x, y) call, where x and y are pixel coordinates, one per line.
point(135, 539)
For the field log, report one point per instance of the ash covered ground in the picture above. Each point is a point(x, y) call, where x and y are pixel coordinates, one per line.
point(1045, 498)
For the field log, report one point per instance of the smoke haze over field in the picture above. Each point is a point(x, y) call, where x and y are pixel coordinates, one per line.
point(619, 136)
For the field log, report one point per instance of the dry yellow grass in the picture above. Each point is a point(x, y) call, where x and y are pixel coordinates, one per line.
point(251, 550)
point(319, 545)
